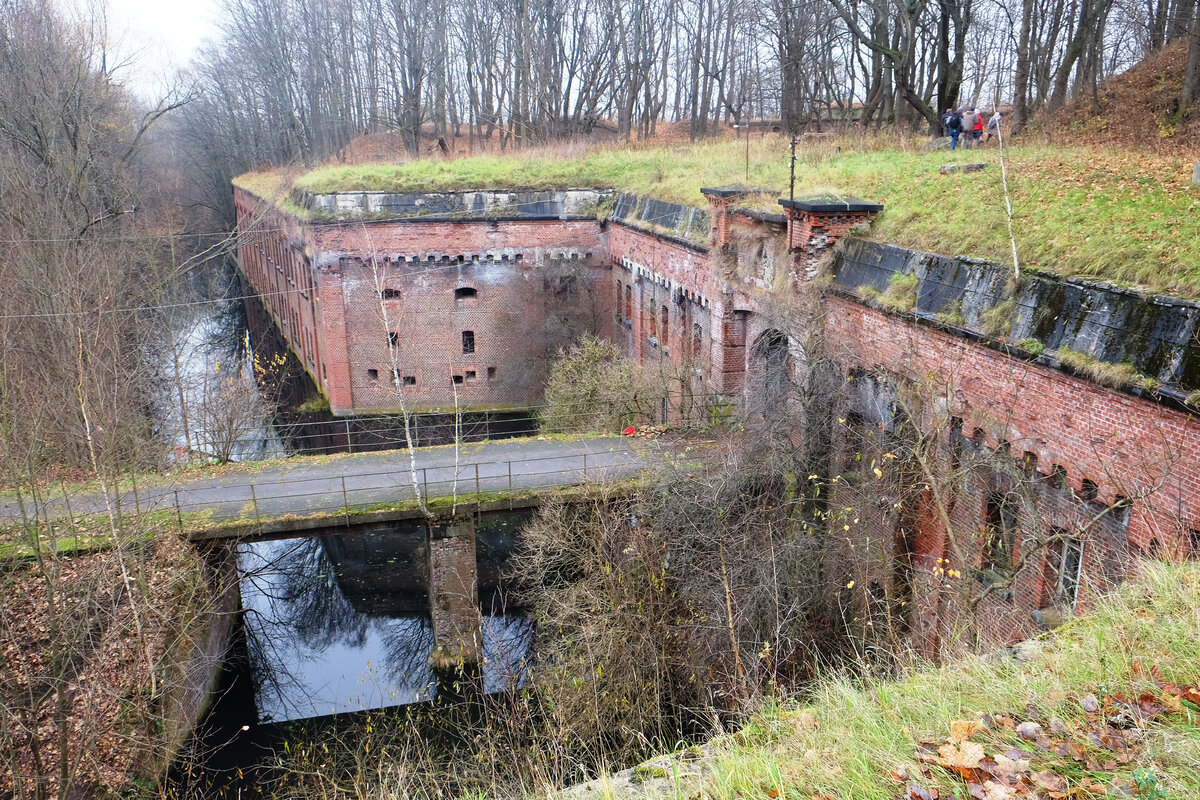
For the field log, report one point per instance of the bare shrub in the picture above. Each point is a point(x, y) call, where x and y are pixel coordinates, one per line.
point(593, 388)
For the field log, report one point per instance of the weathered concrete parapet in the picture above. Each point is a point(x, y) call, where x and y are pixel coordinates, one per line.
point(549, 204)
point(454, 594)
point(683, 223)
point(816, 223)
point(1155, 335)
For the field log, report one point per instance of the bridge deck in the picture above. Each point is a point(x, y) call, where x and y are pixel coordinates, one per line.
point(310, 487)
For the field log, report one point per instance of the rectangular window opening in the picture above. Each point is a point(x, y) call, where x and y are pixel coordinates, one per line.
point(470, 376)
point(390, 294)
point(1068, 567)
point(410, 380)
point(999, 531)
point(468, 342)
point(491, 373)
point(373, 374)
point(457, 379)
point(393, 339)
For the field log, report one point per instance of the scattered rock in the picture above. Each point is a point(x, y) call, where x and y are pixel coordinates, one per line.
point(1048, 617)
point(1029, 731)
point(1196, 174)
point(942, 143)
point(645, 431)
point(807, 721)
point(947, 169)
point(1090, 704)
point(1028, 651)
point(1057, 727)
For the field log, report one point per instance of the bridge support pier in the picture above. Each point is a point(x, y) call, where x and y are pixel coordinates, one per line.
point(454, 595)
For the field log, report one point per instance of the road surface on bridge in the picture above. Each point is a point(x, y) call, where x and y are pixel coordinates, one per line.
point(308, 486)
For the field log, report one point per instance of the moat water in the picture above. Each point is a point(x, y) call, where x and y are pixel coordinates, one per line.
point(337, 625)
point(231, 390)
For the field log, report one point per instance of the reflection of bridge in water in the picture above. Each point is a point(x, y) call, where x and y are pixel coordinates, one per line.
point(340, 621)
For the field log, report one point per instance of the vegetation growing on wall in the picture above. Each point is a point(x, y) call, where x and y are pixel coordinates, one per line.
point(1116, 376)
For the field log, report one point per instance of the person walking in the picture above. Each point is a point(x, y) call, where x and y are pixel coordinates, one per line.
point(954, 127)
point(969, 118)
point(977, 128)
point(993, 126)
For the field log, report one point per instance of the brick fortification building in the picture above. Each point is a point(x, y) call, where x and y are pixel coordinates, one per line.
point(463, 299)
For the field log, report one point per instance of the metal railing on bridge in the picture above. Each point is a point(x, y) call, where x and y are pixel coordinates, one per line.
point(258, 497)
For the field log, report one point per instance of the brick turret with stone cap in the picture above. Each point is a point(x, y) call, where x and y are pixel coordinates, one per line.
point(815, 223)
point(719, 200)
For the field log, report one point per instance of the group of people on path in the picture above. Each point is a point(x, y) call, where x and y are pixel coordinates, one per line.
point(968, 123)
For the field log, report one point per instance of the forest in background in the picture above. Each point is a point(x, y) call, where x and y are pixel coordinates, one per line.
point(294, 81)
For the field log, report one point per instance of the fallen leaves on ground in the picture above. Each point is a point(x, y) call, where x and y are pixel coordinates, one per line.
point(993, 770)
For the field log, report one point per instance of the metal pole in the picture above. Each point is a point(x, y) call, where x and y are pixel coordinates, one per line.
point(747, 156)
point(254, 497)
point(791, 192)
point(585, 466)
point(477, 484)
point(178, 513)
point(345, 500)
point(349, 441)
point(510, 476)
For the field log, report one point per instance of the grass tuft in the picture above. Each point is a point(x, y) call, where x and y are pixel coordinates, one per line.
point(1031, 346)
point(1115, 376)
point(997, 321)
point(900, 294)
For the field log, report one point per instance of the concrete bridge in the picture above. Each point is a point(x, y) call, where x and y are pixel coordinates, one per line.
point(315, 494)
point(281, 495)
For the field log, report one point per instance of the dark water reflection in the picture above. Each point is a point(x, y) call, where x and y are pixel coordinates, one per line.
point(339, 623)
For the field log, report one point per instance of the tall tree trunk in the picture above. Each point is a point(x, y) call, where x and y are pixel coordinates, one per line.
point(1191, 78)
point(1023, 69)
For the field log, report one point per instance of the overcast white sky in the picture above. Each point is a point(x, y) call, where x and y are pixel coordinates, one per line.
point(160, 36)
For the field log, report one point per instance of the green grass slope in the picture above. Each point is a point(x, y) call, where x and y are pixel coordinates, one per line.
point(1114, 693)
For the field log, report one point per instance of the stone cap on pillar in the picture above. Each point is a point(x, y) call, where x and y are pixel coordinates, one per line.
point(730, 191)
point(816, 222)
point(825, 203)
